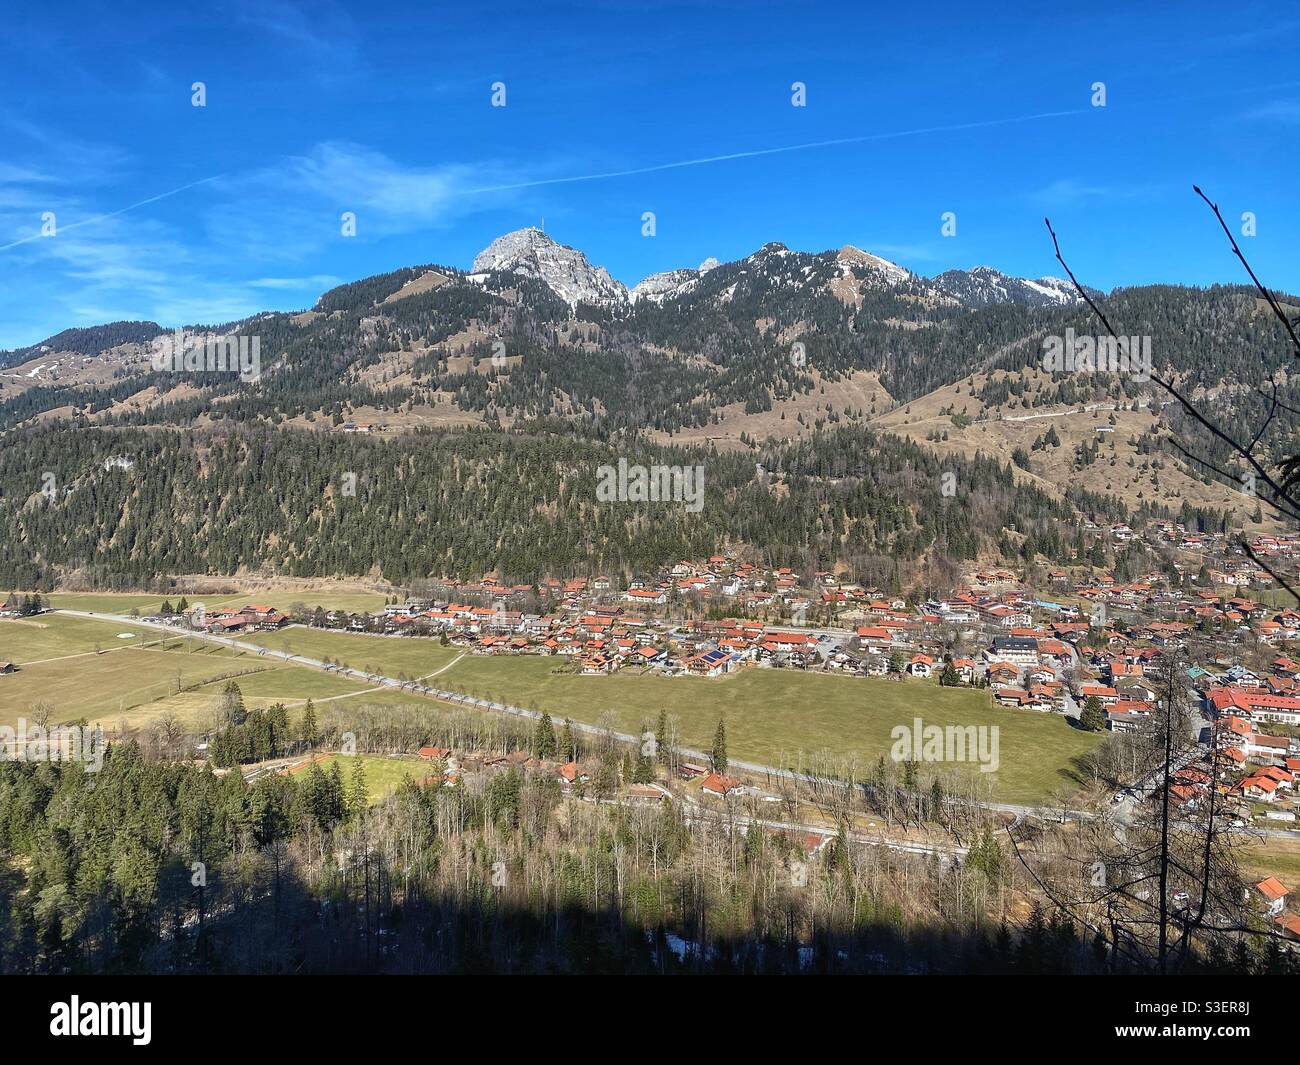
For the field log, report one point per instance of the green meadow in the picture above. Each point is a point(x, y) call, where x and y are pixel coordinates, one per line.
point(774, 717)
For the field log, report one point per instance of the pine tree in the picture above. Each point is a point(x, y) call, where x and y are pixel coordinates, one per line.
point(278, 721)
point(1093, 717)
point(544, 745)
point(231, 705)
point(309, 735)
point(841, 860)
point(336, 793)
point(718, 756)
point(568, 744)
point(316, 798)
point(358, 795)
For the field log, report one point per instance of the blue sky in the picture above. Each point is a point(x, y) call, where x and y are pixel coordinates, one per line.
point(384, 109)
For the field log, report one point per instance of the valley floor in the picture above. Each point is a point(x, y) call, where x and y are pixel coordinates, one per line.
point(112, 672)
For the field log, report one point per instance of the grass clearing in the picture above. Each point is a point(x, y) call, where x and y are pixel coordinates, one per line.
point(785, 718)
point(383, 775)
point(776, 717)
point(390, 655)
point(24, 640)
point(114, 603)
point(1272, 857)
point(81, 668)
point(105, 687)
point(352, 602)
point(289, 684)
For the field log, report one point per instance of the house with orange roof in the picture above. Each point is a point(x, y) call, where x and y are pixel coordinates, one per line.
point(1288, 924)
point(1267, 750)
point(722, 786)
point(1107, 696)
point(572, 773)
point(1046, 697)
point(1283, 777)
point(1262, 789)
point(1274, 893)
point(1003, 673)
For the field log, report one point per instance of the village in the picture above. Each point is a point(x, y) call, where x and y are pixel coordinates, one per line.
point(1077, 643)
point(1072, 637)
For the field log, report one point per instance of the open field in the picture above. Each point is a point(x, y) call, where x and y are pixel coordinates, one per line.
point(383, 775)
point(1278, 597)
point(787, 718)
point(138, 680)
point(59, 665)
point(110, 603)
point(329, 598)
point(390, 655)
point(1272, 857)
point(27, 640)
point(775, 717)
point(290, 685)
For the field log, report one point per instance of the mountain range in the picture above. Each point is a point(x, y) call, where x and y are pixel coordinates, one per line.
point(571, 277)
point(567, 272)
point(776, 346)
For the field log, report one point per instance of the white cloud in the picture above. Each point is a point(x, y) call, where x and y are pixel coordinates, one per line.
point(324, 32)
point(1284, 111)
point(1068, 191)
point(293, 284)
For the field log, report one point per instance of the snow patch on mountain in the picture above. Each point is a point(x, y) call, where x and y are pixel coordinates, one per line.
point(667, 285)
point(857, 262)
point(1055, 289)
point(985, 287)
point(565, 270)
point(670, 284)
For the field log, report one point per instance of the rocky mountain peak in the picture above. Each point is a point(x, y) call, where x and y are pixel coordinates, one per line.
point(563, 269)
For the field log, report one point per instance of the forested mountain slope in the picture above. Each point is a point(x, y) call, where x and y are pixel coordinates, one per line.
point(736, 361)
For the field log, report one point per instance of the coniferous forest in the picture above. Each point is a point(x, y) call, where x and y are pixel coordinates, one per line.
point(152, 865)
point(460, 504)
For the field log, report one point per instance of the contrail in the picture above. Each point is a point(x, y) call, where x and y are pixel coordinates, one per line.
point(112, 214)
point(681, 164)
point(705, 160)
